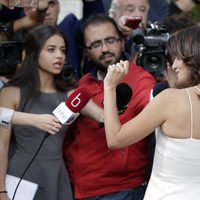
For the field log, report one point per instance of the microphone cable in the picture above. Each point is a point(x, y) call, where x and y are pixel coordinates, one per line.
point(29, 164)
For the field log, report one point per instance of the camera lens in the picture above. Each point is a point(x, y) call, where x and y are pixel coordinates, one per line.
point(153, 62)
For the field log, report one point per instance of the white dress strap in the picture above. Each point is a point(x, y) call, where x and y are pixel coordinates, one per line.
point(191, 114)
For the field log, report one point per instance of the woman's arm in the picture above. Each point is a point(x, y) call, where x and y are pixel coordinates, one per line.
point(9, 98)
point(45, 122)
point(4, 2)
point(32, 16)
point(6, 100)
point(91, 110)
point(145, 123)
point(4, 145)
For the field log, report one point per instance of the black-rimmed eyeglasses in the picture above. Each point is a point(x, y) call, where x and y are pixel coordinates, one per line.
point(98, 44)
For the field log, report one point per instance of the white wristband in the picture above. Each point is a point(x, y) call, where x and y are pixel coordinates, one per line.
point(5, 117)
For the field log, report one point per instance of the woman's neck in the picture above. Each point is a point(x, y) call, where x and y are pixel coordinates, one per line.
point(47, 83)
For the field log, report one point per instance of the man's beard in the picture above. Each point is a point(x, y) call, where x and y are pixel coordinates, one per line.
point(104, 67)
point(101, 67)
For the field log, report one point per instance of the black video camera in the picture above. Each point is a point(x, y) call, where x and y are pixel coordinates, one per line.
point(10, 55)
point(151, 45)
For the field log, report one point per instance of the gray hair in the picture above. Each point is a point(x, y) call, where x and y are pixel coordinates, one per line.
point(114, 9)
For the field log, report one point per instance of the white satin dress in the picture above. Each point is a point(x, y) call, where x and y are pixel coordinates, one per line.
point(176, 168)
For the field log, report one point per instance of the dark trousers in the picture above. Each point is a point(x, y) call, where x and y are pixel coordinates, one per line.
point(129, 194)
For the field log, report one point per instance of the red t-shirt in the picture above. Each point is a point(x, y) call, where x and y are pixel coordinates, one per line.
point(95, 169)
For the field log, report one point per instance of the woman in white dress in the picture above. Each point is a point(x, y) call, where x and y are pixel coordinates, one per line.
point(174, 113)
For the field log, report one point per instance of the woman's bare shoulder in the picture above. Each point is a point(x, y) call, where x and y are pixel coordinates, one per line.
point(169, 92)
point(9, 96)
point(171, 96)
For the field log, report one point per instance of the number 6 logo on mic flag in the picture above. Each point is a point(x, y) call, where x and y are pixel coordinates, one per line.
point(67, 112)
point(75, 104)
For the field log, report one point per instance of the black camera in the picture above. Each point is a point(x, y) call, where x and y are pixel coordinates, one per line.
point(150, 44)
point(10, 54)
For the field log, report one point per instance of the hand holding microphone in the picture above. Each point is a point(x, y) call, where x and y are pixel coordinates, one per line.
point(68, 111)
point(65, 113)
point(45, 122)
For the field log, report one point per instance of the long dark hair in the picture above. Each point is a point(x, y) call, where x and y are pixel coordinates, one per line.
point(185, 45)
point(28, 73)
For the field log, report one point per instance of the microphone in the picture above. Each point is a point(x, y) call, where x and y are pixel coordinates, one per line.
point(159, 87)
point(138, 36)
point(137, 41)
point(68, 111)
point(123, 96)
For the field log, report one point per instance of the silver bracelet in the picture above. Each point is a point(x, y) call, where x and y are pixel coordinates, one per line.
point(5, 117)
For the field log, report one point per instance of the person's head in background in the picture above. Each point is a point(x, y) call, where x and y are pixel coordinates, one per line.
point(184, 49)
point(52, 12)
point(102, 41)
point(45, 49)
point(130, 8)
point(173, 24)
point(181, 21)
